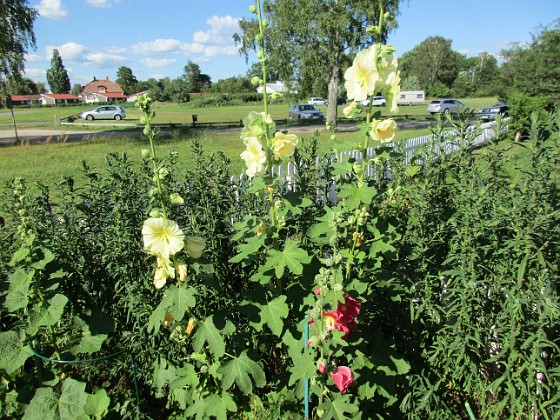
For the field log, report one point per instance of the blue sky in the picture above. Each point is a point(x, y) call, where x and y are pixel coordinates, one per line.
point(155, 38)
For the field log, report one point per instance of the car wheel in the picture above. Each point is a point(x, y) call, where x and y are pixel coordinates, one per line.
point(446, 111)
point(118, 117)
point(89, 117)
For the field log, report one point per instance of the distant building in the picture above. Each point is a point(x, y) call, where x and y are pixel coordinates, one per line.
point(103, 91)
point(278, 87)
point(58, 98)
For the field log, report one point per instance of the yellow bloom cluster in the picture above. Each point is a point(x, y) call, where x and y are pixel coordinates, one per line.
point(262, 146)
point(164, 239)
point(373, 71)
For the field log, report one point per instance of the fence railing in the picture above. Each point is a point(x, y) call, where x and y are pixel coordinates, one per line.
point(483, 134)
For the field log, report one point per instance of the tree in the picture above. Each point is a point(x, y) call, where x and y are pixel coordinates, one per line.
point(57, 76)
point(77, 89)
point(307, 40)
point(22, 86)
point(434, 63)
point(235, 84)
point(195, 80)
point(16, 36)
point(127, 80)
point(533, 69)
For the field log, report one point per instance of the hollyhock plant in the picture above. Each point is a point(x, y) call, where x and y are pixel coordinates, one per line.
point(383, 130)
point(343, 377)
point(362, 76)
point(284, 145)
point(162, 237)
point(254, 156)
point(195, 246)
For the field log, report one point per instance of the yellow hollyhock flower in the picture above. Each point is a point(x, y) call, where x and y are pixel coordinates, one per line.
point(195, 246)
point(352, 110)
point(162, 237)
point(362, 76)
point(254, 156)
point(383, 130)
point(164, 270)
point(284, 145)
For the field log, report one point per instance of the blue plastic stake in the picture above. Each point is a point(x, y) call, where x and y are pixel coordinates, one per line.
point(306, 384)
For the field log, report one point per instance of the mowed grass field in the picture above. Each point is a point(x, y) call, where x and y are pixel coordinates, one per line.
point(48, 163)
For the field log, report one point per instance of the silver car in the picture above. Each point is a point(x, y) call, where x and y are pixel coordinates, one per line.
point(305, 112)
point(446, 106)
point(106, 112)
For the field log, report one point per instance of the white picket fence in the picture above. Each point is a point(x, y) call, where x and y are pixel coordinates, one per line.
point(450, 145)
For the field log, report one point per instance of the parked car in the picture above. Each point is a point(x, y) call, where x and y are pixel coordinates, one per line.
point(489, 113)
point(377, 101)
point(106, 112)
point(446, 106)
point(305, 112)
point(341, 101)
point(317, 101)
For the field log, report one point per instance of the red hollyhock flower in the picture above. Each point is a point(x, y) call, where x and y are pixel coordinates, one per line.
point(342, 378)
point(343, 319)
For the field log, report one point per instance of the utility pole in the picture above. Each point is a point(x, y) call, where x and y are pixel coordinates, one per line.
point(10, 106)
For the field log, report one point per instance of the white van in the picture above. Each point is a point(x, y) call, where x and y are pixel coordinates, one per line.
point(411, 97)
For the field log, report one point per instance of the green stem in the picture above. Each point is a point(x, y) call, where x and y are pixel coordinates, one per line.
point(154, 164)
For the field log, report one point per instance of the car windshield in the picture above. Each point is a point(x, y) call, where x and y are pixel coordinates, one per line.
point(307, 108)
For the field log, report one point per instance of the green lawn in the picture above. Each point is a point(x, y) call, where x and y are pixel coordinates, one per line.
point(50, 162)
point(172, 113)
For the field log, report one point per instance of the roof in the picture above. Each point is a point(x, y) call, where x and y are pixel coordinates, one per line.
point(60, 96)
point(111, 95)
point(25, 97)
point(109, 86)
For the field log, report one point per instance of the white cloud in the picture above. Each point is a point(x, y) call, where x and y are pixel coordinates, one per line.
point(214, 51)
point(193, 48)
point(34, 58)
point(51, 9)
point(157, 46)
point(36, 74)
point(103, 3)
point(104, 60)
point(70, 51)
point(221, 31)
point(158, 63)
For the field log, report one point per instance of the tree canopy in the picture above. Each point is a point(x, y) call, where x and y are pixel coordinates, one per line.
point(127, 80)
point(57, 76)
point(308, 40)
point(16, 36)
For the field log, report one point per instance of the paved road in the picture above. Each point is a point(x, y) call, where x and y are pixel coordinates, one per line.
point(35, 135)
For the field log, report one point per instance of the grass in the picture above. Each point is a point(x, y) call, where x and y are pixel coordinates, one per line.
point(173, 113)
point(50, 162)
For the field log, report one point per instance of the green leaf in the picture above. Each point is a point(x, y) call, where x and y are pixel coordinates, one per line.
point(18, 292)
point(13, 351)
point(272, 314)
point(43, 317)
point(177, 299)
point(292, 257)
point(44, 405)
point(338, 408)
point(20, 255)
point(73, 399)
point(219, 406)
point(97, 405)
point(156, 318)
point(238, 371)
point(249, 249)
point(197, 410)
point(206, 332)
point(88, 342)
point(48, 256)
point(356, 195)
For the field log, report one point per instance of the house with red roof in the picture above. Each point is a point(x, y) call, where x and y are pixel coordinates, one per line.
point(25, 99)
point(58, 98)
point(103, 91)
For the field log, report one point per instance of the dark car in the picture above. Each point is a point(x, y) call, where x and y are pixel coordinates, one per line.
point(305, 112)
point(341, 101)
point(489, 113)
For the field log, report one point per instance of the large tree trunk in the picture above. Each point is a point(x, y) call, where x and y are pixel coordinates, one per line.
point(334, 82)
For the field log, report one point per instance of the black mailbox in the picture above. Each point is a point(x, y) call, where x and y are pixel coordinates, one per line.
point(194, 119)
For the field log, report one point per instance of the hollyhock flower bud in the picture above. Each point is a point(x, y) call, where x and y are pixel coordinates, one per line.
point(342, 377)
point(317, 291)
point(195, 246)
point(182, 272)
point(253, 8)
point(145, 153)
point(321, 367)
point(176, 199)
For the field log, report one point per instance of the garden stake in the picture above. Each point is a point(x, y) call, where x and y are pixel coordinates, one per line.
point(306, 384)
